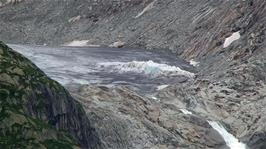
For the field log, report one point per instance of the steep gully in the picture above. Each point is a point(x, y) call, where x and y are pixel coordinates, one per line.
point(143, 71)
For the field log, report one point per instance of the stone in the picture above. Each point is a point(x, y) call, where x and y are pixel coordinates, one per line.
point(117, 44)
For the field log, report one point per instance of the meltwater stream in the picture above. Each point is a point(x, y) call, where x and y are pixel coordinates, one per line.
point(229, 139)
point(142, 69)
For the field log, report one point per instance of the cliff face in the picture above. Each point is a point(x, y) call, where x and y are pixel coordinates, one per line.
point(37, 111)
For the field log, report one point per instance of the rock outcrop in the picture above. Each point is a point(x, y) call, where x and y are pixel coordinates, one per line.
point(124, 119)
point(36, 111)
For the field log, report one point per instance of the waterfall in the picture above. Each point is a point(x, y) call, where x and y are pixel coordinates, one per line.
point(231, 141)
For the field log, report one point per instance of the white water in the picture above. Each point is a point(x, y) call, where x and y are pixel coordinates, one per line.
point(231, 141)
point(147, 67)
point(84, 65)
point(228, 41)
point(193, 63)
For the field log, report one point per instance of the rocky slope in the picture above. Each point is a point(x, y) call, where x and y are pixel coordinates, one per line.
point(190, 28)
point(124, 119)
point(169, 24)
point(36, 111)
point(229, 87)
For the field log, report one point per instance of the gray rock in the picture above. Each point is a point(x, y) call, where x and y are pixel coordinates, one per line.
point(229, 87)
point(123, 119)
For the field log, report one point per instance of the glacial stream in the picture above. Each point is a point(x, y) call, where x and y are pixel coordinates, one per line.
point(229, 139)
point(145, 70)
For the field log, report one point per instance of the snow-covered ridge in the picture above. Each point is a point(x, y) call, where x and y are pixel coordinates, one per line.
point(230, 140)
point(147, 67)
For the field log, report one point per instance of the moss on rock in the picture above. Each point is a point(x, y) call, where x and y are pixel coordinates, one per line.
point(35, 111)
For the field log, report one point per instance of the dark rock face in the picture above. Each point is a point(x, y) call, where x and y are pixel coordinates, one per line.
point(37, 111)
point(257, 141)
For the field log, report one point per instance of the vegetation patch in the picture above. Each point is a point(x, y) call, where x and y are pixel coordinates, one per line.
point(24, 90)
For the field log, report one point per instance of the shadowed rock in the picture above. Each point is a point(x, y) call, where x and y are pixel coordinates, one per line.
point(37, 111)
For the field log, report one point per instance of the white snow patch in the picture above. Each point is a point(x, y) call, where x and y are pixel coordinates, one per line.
point(93, 45)
point(147, 8)
point(74, 19)
point(185, 111)
point(147, 67)
point(230, 140)
point(194, 63)
point(155, 98)
point(228, 41)
point(117, 44)
point(77, 43)
point(161, 87)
